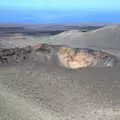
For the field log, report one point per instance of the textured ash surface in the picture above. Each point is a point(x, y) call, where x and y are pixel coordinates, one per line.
point(39, 90)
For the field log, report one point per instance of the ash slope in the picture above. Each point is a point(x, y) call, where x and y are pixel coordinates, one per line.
point(106, 38)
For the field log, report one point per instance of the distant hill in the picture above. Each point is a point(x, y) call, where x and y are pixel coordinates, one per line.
point(106, 38)
point(42, 30)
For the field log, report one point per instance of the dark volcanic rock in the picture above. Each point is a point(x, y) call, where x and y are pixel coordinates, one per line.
point(14, 54)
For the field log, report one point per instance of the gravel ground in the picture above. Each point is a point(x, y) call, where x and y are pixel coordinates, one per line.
point(38, 90)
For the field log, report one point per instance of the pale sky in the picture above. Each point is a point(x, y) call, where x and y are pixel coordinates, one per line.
point(61, 4)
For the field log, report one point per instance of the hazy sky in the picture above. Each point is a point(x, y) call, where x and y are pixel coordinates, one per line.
point(61, 4)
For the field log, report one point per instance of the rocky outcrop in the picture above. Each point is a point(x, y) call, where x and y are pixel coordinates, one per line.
point(81, 58)
point(75, 58)
point(71, 58)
